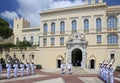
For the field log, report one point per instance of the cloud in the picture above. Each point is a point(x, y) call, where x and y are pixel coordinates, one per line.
point(9, 15)
point(65, 3)
point(30, 9)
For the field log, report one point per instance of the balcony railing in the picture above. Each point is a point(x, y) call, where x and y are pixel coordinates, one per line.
point(112, 29)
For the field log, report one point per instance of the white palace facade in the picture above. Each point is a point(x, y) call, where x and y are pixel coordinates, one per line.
point(83, 35)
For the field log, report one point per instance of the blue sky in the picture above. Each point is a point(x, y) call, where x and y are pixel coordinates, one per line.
point(30, 9)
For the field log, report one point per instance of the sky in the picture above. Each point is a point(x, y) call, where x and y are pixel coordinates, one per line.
point(30, 9)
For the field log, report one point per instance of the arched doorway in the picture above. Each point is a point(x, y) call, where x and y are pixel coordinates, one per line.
point(76, 57)
point(92, 64)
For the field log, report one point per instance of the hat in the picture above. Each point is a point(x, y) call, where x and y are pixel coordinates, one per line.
point(111, 64)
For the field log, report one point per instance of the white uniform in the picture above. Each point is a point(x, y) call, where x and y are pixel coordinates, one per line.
point(8, 66)
point(0, 67)
point(69, 68)
point(111, 75)
point(22, 69)
point(28, 69)
point(63, 68)
point(32, 68)
point(107, 75)
point(15, 69)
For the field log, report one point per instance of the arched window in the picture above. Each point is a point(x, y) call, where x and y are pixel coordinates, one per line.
point(112, 38)
point(45, 26)
point(86, 24)
point(53, 27)
point(96, 1)
point(89, 2)
point(24, 38)
point(74, 25)
point(98, 24)
point(32, 39)
point(62, 27)
point(112, 22)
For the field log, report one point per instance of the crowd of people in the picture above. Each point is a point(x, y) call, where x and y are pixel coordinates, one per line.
point(106, 72)
point(29, 68)
point(66, 68)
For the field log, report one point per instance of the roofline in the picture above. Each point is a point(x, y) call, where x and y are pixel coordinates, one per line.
point(71, 8)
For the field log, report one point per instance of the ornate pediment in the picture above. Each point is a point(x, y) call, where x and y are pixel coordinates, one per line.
point(77, 39)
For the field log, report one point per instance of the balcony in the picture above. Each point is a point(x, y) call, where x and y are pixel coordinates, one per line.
point(113, 45)
point(86, 31)
point(52, 33)
point(112, 29)
point(44, 33)
point(62, 32)
point(74, 31)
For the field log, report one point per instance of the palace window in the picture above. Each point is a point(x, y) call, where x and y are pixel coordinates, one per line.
point(14, 56)
point(53, 28)
point(24, 38)
point(44, 41)
point(89, 2)
point(45, 27)
point(111, 22)
point(98, 24)
point(62, 27)
point(32, 39)
point(61, 40)
point(99, 38)
point(52, 41)
point(17, 39)
point(96, 1)
point(23, 56)
point(74, 25)
point(112, 56)
point(86, 24)
point(112, 38)
point(32, 56)
point(38, 40)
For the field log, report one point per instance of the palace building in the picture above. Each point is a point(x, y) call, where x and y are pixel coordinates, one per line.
point(84, 35)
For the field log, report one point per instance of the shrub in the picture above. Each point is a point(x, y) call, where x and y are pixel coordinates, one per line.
point(38, 66)
point(117, 68)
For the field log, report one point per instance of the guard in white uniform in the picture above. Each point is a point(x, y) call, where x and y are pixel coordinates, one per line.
point(22, 68)
point(28, 68)
point(63, 67)
point(8, 66)
point(111, 73)
point(0, 66)
point(15, 69)
point(32, 68)
point(107, 75)
point(69, 66)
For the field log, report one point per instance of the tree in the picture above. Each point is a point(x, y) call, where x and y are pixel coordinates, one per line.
point(23, 44)
point(5, 30)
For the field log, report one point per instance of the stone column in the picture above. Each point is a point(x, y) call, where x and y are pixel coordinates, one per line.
point(118, 21)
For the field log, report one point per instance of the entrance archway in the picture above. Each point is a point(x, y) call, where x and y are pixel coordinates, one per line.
point(76, 57)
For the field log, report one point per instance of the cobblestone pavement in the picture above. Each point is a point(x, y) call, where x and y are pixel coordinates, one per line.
point(56, 77)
